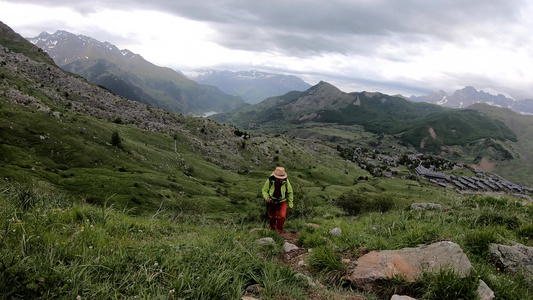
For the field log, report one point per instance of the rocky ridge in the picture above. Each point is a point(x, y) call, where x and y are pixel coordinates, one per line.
point(469, 95)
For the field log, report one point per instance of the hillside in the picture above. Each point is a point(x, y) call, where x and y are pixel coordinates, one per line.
point(130, 75)
point(57, 130)
point(521, 149)
point(382, 122)
point(102, 197)
point(253, 86)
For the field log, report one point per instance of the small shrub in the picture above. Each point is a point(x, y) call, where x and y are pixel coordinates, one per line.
point(304, 206)
point(116, 140)
point(381, 203)
point(354, 204)
point(351, 202)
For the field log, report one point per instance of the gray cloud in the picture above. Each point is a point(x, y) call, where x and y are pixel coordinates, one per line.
point(301, 28)
point(388, 30)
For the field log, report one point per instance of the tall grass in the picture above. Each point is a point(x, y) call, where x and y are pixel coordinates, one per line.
point(57, 247)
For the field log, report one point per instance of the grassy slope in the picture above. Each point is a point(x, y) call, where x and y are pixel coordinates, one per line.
point(460, 135)
point(520, 167)
point(17, 43)
point(83, 217)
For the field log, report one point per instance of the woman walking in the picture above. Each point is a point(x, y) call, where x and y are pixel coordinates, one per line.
point(277, 192)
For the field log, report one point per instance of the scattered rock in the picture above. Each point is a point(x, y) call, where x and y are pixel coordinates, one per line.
point(248, 298)
point(267, 240)
point(312, 225)
point(310, 281)
point(335, 231)
point(426, 206)
point(255, 230)
point(512, 259)
point(397, 297)
point(485, 293)
point(255, 289)
point(288, 247)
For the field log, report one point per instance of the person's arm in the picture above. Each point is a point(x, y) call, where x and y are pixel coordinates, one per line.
point(290, 193)
point(265, 191)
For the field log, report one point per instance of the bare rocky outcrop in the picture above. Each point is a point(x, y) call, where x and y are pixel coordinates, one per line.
point(513, 259)
point(377, 266)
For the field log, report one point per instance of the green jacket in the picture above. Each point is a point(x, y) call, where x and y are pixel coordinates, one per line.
point(286, 190)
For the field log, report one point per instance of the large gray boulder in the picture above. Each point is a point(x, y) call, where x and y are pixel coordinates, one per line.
point(377, 266)
point(512, 259)
point(374, 267)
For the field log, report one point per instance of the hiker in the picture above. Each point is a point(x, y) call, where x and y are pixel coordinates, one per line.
point(277, 192)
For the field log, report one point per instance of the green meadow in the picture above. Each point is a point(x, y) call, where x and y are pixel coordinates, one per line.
point(168, 215)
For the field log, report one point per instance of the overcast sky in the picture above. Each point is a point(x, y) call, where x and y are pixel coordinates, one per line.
point(409, 47)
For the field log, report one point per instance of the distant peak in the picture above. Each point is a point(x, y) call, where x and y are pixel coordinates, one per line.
point(323, 85)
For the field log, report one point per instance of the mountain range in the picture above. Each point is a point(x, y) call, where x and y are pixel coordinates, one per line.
point(469, 95)
point(205, 90)
point(253, 86)
point(325, 113)
point(384, 122)
point(130, 75)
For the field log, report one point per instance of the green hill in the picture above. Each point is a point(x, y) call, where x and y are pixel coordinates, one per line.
point(102, 197)
point(383, 122)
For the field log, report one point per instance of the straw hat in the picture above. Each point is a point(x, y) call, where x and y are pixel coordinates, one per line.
point(280, 173)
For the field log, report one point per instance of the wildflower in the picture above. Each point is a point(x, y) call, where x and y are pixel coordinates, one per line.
point(156, 264)
point(90, 247)
point(82, 227)
point(172, 291)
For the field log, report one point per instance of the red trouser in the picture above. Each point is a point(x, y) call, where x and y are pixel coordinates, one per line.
point(277, 215)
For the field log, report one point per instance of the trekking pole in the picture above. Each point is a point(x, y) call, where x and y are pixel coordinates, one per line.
point(266, 215)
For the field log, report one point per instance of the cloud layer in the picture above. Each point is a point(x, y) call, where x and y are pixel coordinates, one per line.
point(387, 45)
